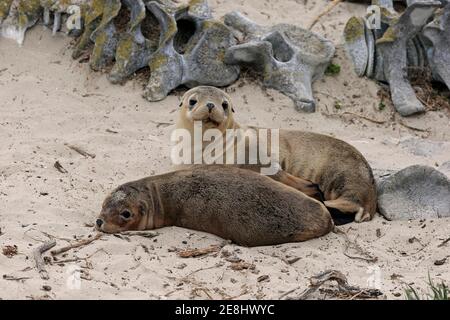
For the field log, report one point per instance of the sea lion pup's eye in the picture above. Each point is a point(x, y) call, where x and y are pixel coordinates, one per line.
point(225, 105)
point(192, 102)
point(126, 215)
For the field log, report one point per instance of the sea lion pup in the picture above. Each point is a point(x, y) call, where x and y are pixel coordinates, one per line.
point(236, 204)
point(307, 159)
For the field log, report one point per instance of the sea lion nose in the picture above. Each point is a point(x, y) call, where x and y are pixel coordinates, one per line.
point(99, 222)
point(210, 106)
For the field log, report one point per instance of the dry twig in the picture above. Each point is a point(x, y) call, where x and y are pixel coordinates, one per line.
point(350, 245)
point(339, 115)
point(81, 151)
point(40, 264)
point(145, 234)
point(443, 243)
point(194, 253)
point(413, 128)
point(343, 290)
point(78, 244)
point(13, 278)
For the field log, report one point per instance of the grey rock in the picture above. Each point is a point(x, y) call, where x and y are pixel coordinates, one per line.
point(288, 57)
point(416, 192)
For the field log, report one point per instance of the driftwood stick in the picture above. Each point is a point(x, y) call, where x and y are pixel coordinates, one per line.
point(37, 254)
point(443, 243)
point(81, 151)
point(340, 115)
point(78, 244)
point(145, 234)
point(14, 278)
point(413, 128)
point(344, 288)
point(365, 118)
point(193, 253)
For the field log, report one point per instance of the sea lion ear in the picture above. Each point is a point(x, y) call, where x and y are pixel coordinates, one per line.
point(143, 208)
point(232, 109)
point(181, 104)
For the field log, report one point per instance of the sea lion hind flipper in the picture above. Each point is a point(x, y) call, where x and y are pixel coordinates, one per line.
point(350, 207)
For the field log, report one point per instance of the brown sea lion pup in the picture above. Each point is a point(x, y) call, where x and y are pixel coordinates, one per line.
point(236, 204)
point(307, 159)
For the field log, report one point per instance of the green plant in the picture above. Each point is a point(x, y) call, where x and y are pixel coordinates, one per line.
point(381, 106)
point(439, 291)
point(338, 105)
point(333, 69)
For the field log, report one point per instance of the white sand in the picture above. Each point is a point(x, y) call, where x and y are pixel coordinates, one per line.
point(47, 100)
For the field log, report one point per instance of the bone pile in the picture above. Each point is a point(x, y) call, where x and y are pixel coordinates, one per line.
point(417, 38)
point(182, 44)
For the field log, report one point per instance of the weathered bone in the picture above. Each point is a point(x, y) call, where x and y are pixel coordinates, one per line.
point(438, 32)
point(22, 15)
point(106, 36)
point(92, 19)
point(190, 58)
point(139, 41)
point(393, 48)
point(399, 44)
point(288, 57)
point(181, 44)
point(4, 9)
point(133, 50)
point(355, 41)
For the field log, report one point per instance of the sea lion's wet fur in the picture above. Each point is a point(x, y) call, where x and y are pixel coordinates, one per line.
point(236, 204)
point(339, 170)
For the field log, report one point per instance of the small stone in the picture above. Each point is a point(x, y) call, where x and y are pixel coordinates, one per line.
point(440, 262)
point(378, 233)
point(293, 260)
point(180, 266)
point(46, 288)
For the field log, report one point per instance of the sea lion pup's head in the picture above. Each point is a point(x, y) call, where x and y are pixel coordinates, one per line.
point(124, 209)
point(212, 106)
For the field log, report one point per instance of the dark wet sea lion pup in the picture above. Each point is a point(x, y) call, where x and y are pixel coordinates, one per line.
point(235, 204)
